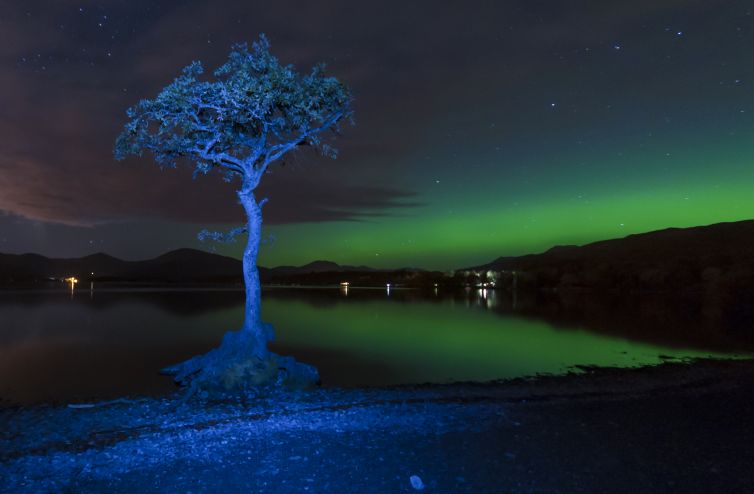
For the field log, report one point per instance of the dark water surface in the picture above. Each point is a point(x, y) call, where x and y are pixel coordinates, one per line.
point(61, 346)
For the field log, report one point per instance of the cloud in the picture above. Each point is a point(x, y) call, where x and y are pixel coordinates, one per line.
point(303, 202)
point(64, 99)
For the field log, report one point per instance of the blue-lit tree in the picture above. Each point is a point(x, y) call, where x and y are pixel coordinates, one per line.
point(253, 113)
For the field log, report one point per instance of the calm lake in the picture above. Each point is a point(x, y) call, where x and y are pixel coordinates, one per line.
point(57, 345)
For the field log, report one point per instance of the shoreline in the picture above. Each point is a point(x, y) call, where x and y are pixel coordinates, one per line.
point(668, 421)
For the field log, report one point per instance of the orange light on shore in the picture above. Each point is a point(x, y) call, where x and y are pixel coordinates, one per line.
point(72, 280)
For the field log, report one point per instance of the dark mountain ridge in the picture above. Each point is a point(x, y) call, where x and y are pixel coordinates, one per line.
point(318, 267)
point(673, 258)
point(174, 266)
point(720, 255)
point(182, 265)
point(719, 240)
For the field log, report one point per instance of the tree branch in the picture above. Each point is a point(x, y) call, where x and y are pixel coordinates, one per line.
point(222, 237)
point(275, 152)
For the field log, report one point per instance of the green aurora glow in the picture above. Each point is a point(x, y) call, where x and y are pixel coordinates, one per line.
point(571, 205)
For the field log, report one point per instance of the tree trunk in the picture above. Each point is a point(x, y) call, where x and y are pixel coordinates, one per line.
point(253, 315)
point(242, 362)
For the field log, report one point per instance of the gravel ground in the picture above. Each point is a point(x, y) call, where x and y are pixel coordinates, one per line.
point(671, 428)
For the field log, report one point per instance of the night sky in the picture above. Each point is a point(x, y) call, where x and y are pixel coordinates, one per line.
point(482, 128)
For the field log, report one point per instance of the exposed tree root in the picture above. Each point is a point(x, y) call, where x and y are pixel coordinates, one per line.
point(241, 365)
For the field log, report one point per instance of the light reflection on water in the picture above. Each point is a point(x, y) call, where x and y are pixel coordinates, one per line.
point(112, 341)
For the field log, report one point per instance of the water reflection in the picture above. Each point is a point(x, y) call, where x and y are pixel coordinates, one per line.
point(111, 341)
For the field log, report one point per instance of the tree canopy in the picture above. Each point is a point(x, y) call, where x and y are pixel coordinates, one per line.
point(252, 113)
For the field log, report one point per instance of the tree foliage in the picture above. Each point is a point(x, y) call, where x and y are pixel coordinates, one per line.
point(252, 113)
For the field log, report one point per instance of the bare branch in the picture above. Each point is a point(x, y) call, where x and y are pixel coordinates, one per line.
point(222, 237)
point(275, 152)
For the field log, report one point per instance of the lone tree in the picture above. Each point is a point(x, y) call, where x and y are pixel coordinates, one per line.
point(252, 114)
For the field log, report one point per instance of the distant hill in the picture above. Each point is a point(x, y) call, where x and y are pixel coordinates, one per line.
point(315, 267)
point(182, 265)
point(664, 259)
point(176, 266)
